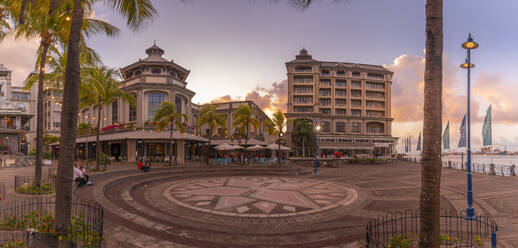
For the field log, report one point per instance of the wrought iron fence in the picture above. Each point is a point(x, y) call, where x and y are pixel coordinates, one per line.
point(455, 230)
point(25, 185)
point(23, 221)
point(2, 191)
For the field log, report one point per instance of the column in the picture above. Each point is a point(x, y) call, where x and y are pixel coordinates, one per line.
point(140, 109)
point(180, 151)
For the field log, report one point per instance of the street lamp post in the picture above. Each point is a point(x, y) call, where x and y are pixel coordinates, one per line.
point(317, 129)
point(468, 45)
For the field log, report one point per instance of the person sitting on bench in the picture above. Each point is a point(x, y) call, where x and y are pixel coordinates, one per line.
point(78, 176)
point(147, 166)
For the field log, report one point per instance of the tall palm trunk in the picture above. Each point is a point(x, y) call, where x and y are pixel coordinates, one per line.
point(303, 148)
point(432, 127)
point(246, 143)
point(39, 116)
point(69, 123)
point(97, 142)
point(171, 146)
point(279, 150)
point(208, 145)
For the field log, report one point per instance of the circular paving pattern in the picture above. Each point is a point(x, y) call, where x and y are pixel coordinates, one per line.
point(254, 196)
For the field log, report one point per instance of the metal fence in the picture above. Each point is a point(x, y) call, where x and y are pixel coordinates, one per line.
point(455, 230)
point(21, 220)
point(490, 169)
point(2, 191)
point(24, 182)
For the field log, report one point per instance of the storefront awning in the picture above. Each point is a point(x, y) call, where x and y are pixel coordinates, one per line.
point(142, 135)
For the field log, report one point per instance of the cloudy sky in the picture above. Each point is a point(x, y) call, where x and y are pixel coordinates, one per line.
point(236, 49)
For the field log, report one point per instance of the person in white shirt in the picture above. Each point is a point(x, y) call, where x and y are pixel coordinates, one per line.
point(78, 176)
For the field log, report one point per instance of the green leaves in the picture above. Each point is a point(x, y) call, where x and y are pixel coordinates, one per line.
point(167, 115)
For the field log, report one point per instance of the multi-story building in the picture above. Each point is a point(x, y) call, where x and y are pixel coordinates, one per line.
point(350, 102)
point(230, 134)
point(15, 116)
point(128, 132)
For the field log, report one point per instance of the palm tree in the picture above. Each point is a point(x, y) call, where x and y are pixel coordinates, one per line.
point(167, 117)
point(432, 128)
point(83, 129)
point(136, 12)
point(100, 88)
point(209, 117)
point(244, 118)
point(51, 28)
point(276, 126)
point(303, 134)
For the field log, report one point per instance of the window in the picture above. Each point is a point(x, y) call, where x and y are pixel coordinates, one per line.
point(376, 76)
point(57, 125)
point(298, 79)
point(356, 103)
point(133, 110)
point(340, 92)
point(325, 102)
point(20, 96)
point(356, 93)
point(154, 101)
point(356, 127)
point(356, 84)
point(156, 70)
point(356, 74)
point(298, 89)
point(340, 73)
point(340, 83)
point(340, 127)
point(356, 112)
point(375, 113)
point(138, 72)
point(373, 129)
point(325, 92)
point(372, 85)
point(325, 82)
point(340, 102)
point(302, 109)
point(325, 111)
point(340, 111)
point(178, 104)
point(325, 72)
point(326, 126)
point(303, 69)
point(172, 73)
point(115, 112)
point(303, 99)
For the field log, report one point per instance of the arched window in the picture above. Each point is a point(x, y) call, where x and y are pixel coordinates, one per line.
point(156, 70)
point(133, 110)
point(138, 72)
point(154, 100)
point(178, 104)
point(115, 112)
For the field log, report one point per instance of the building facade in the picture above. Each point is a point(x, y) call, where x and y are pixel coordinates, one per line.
point(350, 102)
point(15, 116)
point(230, 134)
point(128, 133)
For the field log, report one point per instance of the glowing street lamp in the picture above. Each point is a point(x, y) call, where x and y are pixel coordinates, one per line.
point(469, 45)
point(317, 130)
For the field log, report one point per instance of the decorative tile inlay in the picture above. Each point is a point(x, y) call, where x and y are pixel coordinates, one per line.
point(260, 196)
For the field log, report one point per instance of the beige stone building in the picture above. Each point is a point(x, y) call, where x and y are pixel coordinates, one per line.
point(129, 133)
point(351, 102)
point(229, 135)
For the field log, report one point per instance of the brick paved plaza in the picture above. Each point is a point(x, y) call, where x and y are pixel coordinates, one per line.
point(273, 207)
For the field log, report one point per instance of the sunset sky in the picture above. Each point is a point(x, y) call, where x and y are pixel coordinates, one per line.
point(236, 49)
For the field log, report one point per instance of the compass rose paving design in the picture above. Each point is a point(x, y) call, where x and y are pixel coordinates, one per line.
point(259, 196)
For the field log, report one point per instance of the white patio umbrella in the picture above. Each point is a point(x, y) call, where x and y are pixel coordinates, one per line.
point(275, 147)
point(256, 148)
point(224, 147)
point(237, 147)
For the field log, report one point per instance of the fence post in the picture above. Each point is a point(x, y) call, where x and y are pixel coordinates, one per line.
point(492, 169)
point(513, 172)
point(493, 240)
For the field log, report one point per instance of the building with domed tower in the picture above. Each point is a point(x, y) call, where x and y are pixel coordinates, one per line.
point(16, 131)
point(350, 102)
point(128, 133)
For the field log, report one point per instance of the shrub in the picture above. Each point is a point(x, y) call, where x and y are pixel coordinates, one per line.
point(47, 155)
point(104, 159)
point(32, 152)
point(43, 189)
